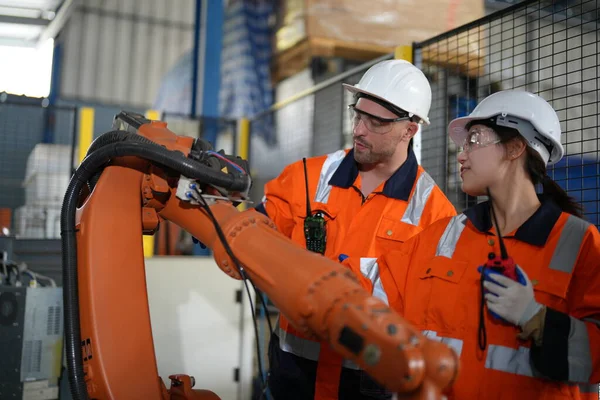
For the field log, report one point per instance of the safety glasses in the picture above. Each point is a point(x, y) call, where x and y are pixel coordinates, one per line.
point(478, 138)
point(372, 122)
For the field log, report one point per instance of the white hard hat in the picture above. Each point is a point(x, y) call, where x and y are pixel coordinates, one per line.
point(532, 116)
point(399, 83)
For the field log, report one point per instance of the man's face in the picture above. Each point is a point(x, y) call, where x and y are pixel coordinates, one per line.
point(371, 146)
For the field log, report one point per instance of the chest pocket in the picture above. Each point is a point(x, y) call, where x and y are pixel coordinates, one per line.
point(392, 232)
point(438, 298)
point(551, 287)
point(329, 214)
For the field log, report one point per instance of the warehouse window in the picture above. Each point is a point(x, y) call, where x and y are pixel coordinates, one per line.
point(26, 70)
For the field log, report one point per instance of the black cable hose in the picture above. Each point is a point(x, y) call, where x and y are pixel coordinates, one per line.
point(90, 165)
point(245, 278)
point(70, 289)
point(108, 138)
point(116, 136)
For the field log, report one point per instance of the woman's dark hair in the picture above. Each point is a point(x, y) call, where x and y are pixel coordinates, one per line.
point(536, 168)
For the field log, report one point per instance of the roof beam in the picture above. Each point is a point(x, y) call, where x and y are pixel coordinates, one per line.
point(13, 19)
point(59, 21)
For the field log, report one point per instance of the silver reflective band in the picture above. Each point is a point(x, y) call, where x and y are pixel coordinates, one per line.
point(331, 164)
point(589, 388)
point(447, 244)
point(304, 348)
point(350, 365)
point(379, 292)
point(567, 249)
point(579, 353)
point(592, 320)
point(454, 344)
point(417, 202)
point(298, 346)
point(507, 359)
point(517, 361)
point(370, 269)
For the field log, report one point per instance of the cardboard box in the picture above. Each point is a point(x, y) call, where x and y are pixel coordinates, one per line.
point(387, 23)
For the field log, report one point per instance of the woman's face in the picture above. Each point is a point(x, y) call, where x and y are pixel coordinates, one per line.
point(482, 160)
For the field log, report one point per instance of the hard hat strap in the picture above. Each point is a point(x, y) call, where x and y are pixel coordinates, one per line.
point(385, 104)
point(536, 140)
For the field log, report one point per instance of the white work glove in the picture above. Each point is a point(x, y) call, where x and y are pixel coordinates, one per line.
point(515, 302)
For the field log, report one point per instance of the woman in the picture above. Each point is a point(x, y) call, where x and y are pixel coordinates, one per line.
point(539, 339)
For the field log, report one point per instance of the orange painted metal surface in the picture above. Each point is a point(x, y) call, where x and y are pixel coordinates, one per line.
point(319, 296)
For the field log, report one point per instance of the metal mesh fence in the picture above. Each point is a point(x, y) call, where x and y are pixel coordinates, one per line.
point(36, 146)
point(546, 47)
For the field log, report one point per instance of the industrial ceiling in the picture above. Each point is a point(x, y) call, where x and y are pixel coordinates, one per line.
point(29, 22)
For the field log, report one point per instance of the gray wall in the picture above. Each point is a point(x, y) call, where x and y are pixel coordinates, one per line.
point(117, 51)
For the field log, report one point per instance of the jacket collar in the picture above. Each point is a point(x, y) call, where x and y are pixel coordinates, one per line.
point(398, 186)
point(534, 231)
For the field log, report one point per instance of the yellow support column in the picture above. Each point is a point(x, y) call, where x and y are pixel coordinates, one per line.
point(243, 137)
point(86, 131)
point(153, 115)
point(149, 239)
point(404, 53)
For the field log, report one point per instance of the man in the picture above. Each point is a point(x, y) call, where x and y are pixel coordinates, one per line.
point(360, 203)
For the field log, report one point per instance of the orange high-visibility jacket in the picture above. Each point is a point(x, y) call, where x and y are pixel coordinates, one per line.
point(434, 283)
point(356, 226)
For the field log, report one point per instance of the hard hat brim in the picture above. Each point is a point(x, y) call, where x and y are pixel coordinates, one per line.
point(354, 90)
point(457, 129)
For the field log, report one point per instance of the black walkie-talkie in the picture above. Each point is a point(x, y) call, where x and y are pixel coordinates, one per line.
point(315, 230)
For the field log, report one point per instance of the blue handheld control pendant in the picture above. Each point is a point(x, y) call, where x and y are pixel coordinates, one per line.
point(506, 267)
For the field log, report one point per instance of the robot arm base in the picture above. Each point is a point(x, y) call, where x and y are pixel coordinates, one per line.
point(181, 389)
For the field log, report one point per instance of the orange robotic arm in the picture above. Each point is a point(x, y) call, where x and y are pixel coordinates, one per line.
point(133, 178)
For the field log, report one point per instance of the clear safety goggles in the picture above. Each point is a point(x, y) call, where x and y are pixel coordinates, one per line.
point(478, 138)
point(372, 122)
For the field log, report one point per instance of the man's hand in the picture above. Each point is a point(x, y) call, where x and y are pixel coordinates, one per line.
point(510, 299)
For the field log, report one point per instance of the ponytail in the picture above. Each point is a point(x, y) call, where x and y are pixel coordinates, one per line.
point(537, 171)
point(560, 197)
